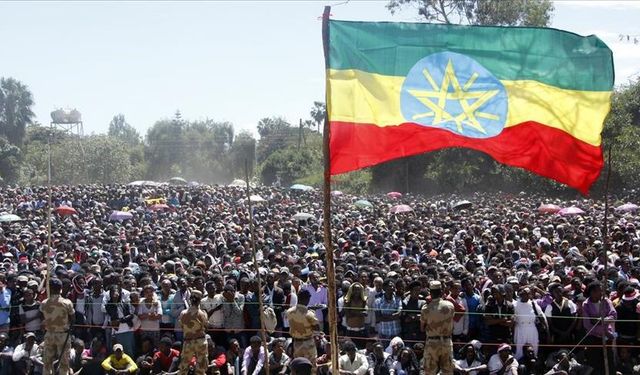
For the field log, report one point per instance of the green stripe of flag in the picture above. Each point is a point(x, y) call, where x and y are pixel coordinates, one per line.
point(550, 56)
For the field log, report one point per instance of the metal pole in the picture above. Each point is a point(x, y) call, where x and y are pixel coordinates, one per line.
point(326, 209)
point(49, 208)
point(263, 332)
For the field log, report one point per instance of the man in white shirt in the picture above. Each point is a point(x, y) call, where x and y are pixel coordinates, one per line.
point(28, 354)
point(503, 363)
point(352, 363)
point(253, 358)
point(318, 301)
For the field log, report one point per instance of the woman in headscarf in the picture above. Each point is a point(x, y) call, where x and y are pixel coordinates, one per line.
point(471, 362)
point(355, 314)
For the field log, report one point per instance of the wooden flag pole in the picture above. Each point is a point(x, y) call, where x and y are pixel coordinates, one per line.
point(263, 331)
point(326, 209)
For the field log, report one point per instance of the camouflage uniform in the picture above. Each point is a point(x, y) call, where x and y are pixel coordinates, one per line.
point(301, 325)
point(193, 322)
point(56, 311)
point(437, 315)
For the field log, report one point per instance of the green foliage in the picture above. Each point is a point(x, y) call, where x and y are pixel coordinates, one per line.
point(120, 129)
point(481, 12)
point(243, 151)
point(275, 134)
point(15, 110)
point(10, 156)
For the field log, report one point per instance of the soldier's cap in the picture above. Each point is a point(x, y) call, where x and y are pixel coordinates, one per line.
point(435, 285)
point(300, 362)
point(117, 347)
point(55, 283)
point(29, 334)
point(196, 294)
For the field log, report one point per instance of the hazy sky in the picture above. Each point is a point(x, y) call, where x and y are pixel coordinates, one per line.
point(236, 61)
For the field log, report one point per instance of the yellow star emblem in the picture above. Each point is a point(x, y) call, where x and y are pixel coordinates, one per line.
point(440, 95)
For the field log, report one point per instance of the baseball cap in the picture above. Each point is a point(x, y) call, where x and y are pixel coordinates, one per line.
point(117, 347)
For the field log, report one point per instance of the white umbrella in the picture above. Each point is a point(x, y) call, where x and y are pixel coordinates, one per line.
point(568, 211)
point(627, 207)
point(9, 218)
point(302, 216)
point(256, 198)
point(400, 209)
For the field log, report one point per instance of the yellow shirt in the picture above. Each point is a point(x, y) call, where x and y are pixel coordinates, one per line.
point(124, 363)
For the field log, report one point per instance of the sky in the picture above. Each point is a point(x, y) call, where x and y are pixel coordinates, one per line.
point(236, 61)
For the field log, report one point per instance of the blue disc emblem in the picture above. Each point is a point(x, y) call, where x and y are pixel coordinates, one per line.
point(452, 91)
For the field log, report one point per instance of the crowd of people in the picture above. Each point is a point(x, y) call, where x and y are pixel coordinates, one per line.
point(533, 292)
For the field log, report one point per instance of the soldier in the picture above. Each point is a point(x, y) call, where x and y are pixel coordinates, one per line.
point(58, 314)
point(302, 323)
point(193, 322)
point(437, 320)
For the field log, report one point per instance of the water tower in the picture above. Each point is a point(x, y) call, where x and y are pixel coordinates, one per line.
point(67, 120)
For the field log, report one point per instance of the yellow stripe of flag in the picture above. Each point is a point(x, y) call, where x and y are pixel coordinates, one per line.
point(370, 98)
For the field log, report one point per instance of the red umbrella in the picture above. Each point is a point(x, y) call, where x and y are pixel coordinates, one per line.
point(159, 207)
point(394, 194)
point(549, 208)
point(66, 210)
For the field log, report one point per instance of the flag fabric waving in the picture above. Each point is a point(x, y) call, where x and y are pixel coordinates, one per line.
point(534, 98)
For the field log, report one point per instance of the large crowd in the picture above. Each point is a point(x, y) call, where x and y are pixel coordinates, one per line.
point(534, 292)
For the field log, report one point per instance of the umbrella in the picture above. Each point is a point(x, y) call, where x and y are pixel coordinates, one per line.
point(238, 183)
point(302, 216)
point(363, 203)
point(120, 216)
point(627, 207)
point(66, 210)
point(144, 183)
point(177, 181)
point(159, 207)
point(549, 208)
point(400, 209)
point(257, 198)
point(336, 193)
point(462, 205)
point(394, 194)
point(301, 187)
point(9, 218)
point(573, 210)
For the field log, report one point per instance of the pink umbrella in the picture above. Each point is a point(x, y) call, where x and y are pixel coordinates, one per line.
point(573, 210)
point(66, 210)
point(159, 207)
point(549, 208)
point(394, 194)
point(400, 209)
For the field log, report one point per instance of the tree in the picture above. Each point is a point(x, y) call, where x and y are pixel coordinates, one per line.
point(10, 158)
point(15, 110)
point(275, 134)
point(318, 113)
point(243, 149)
point(481, 12)
point(119, 128)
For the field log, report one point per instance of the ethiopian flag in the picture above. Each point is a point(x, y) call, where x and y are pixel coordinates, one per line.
point(533, 98)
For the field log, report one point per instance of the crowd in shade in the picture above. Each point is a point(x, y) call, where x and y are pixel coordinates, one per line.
point(535, 291)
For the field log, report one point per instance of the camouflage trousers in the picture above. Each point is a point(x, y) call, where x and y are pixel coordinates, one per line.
point(307, 349)
point(194, 348)
point(53, 345)
point(438, 356)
